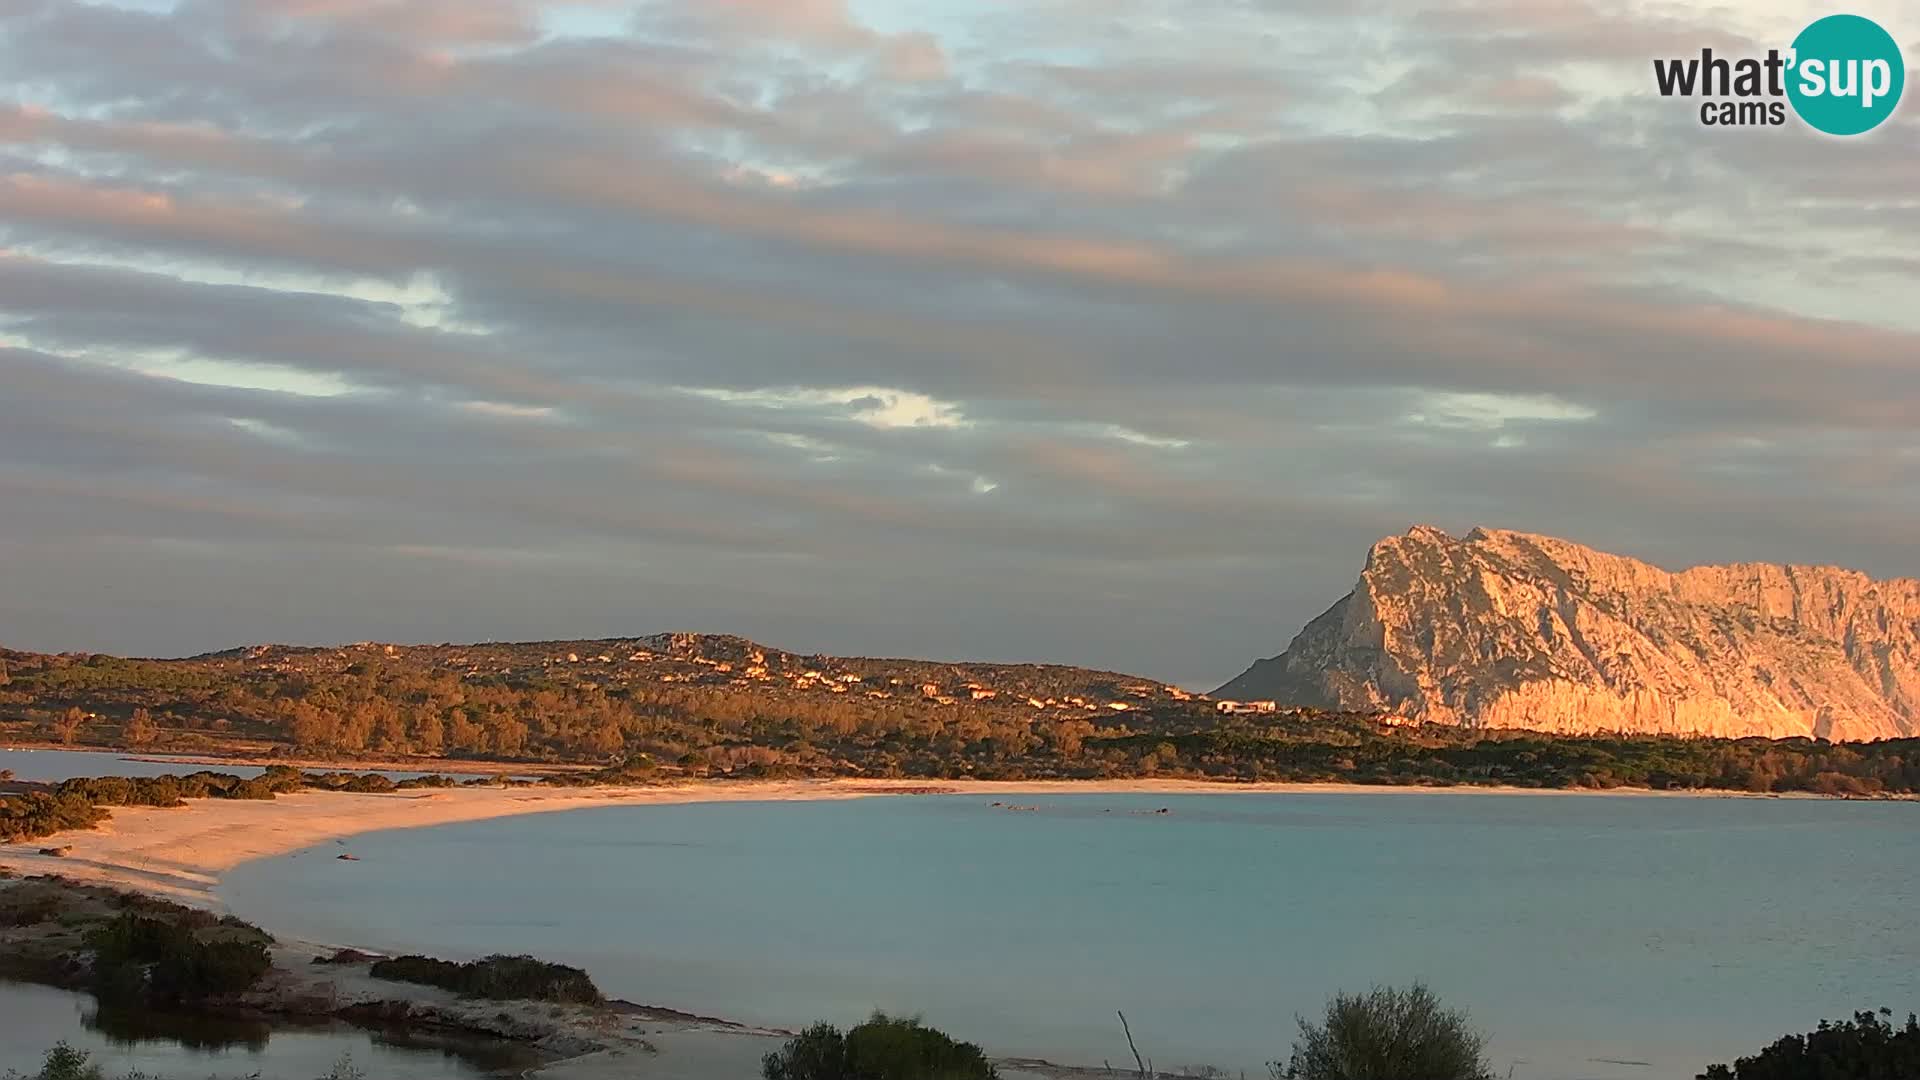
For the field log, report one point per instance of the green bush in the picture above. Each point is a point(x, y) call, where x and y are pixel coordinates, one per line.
point(357, 783)
point(63, 1062)
point(498, 978)
point(36, 814)
point(156, 959)
point(434, 781)
point(818, 1053)
point(77, 803)
point(1866, 1047)
point(883, 1048)
point(1387, 1034)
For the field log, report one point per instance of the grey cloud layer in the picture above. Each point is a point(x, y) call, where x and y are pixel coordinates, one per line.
point(1113, 345)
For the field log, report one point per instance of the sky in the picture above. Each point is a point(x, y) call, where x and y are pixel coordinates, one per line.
point(1106, 332)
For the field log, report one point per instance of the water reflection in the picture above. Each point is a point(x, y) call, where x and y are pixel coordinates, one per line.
point(124, 1026)
point(187, 1045)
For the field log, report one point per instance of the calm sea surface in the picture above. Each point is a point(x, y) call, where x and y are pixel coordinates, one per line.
point(1591, 936)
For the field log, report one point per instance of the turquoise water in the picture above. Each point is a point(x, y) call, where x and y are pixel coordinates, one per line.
point(1590, 936)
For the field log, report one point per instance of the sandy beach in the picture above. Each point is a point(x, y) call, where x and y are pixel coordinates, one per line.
point(182, 854)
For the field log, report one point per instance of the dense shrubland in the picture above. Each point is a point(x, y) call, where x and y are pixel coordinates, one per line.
point(348, 705)
point(127, 948)
point(170, 960)
point(38, 810)
point(497, 978)
point(883, 1048)
point(1867, 1047)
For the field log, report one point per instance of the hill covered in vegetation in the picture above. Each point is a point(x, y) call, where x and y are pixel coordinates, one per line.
point(706, 705)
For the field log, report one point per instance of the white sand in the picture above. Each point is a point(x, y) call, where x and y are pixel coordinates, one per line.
point(181, 853)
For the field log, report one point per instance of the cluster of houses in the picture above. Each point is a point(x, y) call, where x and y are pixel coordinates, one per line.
point(1233, 707)
point(755, 670)
point(750, 667)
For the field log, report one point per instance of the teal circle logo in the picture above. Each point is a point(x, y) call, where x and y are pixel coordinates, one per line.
point(1846, 76)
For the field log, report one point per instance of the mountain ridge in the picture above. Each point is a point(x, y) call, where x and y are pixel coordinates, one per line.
point(1508, 629)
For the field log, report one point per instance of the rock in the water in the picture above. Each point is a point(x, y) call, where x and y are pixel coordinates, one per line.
point(1512, 630)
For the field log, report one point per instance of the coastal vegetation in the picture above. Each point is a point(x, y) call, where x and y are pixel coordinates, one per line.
point(152, 965)
point(124, 947)
point(496, 978)
point(31, 811)
point(708, 707)
point(62, 1062)
point(173, 959)
point(882, 1048)
point(1387, 1033)
point(1867, 1047)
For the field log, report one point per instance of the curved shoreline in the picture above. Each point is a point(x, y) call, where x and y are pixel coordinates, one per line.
point(184, 853)
point(181, 853)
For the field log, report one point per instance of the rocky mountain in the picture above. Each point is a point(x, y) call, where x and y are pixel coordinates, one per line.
point(1511, 630)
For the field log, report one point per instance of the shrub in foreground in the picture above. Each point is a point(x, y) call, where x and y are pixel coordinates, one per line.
point(498, 978)
point(883, 1048)
point(1387, 1033)
point(1867, 1047)
point(62, 1062)
point(138, 957)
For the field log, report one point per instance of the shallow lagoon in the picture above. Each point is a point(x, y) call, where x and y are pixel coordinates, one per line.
point(52, 766)
point(183, 1047)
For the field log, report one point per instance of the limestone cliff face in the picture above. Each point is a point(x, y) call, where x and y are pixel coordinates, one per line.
point(1506, 629)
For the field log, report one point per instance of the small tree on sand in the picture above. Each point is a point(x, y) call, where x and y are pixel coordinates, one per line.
point(1387, 1034)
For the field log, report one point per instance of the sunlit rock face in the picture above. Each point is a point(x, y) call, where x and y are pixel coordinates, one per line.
point(1512, 630)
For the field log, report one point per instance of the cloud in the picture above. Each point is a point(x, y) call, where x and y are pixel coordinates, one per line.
point(875, 406)
point(871, 328)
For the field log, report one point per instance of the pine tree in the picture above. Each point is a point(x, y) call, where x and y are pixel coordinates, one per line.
point(140, 729)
